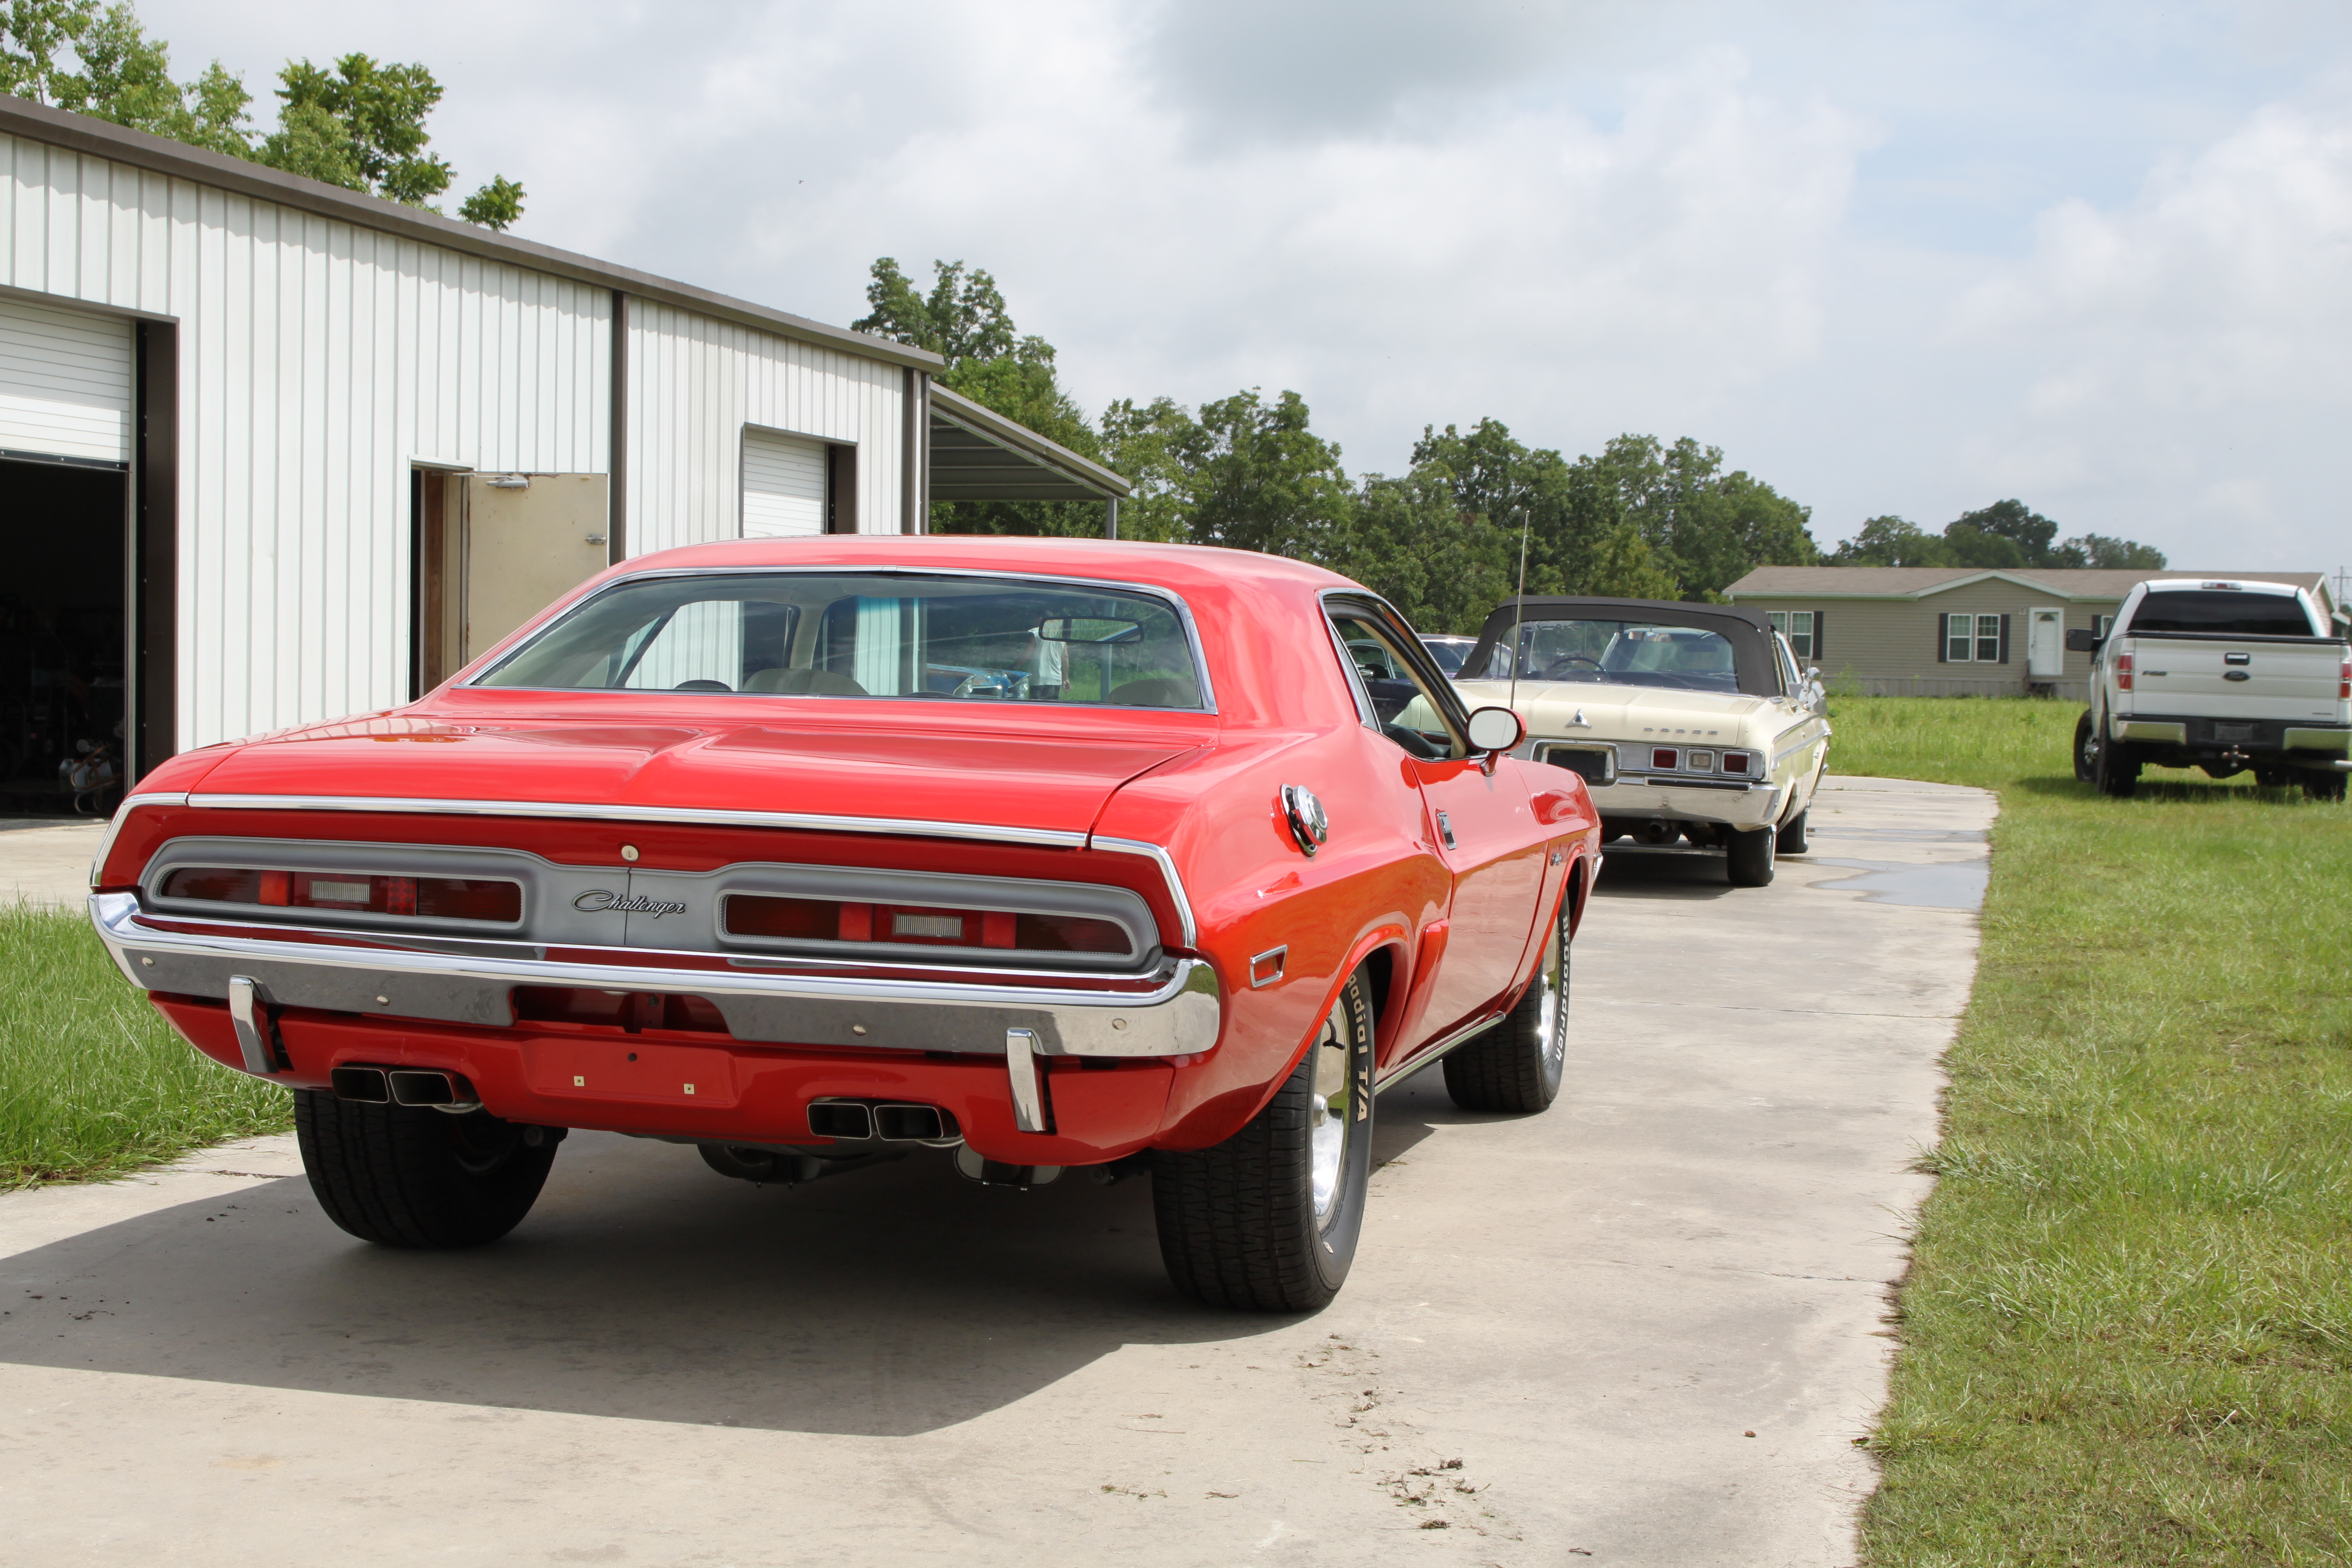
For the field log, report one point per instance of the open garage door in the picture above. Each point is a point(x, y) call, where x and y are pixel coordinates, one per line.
point(494, 550)
point(65, 385)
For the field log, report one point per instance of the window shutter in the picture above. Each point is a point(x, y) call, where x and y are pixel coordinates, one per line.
point(1817, 635)
point(1943, 638)
point(2004, 640)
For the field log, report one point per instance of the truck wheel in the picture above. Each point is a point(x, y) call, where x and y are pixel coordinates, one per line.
point(1267, 1220)
point(2275, 778)
point(1748, 858)
point(1792, 838)
point(2323, 786)
point(2116, 769)
point(1517, 1065)
point(2086, 749)
point(409, 1175)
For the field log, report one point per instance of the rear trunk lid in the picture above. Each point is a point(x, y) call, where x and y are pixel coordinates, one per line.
point(1023, 784)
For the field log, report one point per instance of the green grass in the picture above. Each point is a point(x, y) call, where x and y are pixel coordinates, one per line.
point(2126, 1334)
point(93, 1082)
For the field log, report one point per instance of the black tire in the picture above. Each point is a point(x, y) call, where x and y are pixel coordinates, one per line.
point(1748, 858)
point(2114, 768)
point(1791, 840)
point(2276, 778)
point(2323, 786)
point(1239, 1223)
point(2086, 749)
point(403, 1175)
point(1517, 1065)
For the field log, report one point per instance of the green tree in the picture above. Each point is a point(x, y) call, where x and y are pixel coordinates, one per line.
point(1890, 540)
point(1410, 542)
point(962, 318)
point(360, 126)
point(1258, 478)
point(2118, 555)
point(2011, 519)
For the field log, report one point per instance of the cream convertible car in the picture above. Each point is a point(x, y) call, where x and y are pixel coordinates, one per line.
point(1688, 721)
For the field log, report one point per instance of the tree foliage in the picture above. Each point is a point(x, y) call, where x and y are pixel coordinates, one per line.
point(359, 125)
point(2008, 533)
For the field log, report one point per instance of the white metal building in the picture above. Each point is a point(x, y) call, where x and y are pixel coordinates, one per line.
point(273, 451)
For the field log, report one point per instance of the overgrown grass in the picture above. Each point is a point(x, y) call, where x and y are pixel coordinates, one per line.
point(2126, 1335)
point(92, 1082)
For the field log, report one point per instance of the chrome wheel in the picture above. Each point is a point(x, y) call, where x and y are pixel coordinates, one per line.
point(1328, 1113)
point(1551, 1014)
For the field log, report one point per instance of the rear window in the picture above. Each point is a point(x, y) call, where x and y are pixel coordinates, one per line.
point(2224, 612)
point(998, 640)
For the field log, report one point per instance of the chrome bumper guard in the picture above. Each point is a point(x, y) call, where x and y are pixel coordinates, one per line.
point(257, 968)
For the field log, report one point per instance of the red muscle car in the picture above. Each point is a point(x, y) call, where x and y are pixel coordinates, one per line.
point(1054, 853)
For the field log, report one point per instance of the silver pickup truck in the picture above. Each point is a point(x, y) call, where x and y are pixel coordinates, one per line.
point(2222, 676)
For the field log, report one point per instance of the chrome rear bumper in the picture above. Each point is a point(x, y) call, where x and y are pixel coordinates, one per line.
point(1178, 1010)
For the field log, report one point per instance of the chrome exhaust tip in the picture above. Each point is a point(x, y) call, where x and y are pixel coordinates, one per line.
point(851, 1119)
point(915, 1124)
point(430, 1086)
point(360, 1085)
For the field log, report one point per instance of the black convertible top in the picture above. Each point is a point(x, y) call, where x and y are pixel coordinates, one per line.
point(1748, 632)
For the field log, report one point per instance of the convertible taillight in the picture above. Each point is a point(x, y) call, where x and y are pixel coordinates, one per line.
point(1665, 757)
point(827, 919)
point(434, 898)
point(1734, 762)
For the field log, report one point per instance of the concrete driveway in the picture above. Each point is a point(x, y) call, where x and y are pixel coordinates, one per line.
point(1642, 1329)
point(46, 859)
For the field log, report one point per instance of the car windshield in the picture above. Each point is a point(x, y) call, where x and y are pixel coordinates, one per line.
point(1628, 653)
point(2222, 612)
point(1449, 652)
point(851, 634)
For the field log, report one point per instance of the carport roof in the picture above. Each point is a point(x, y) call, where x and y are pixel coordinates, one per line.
point(977, 453)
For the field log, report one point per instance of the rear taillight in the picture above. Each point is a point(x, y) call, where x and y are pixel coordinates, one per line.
point(1734, 762)
point(1665, 757)
point(436, 898)
point(2344, 682)
point(1700, 762)
point(827, 919)
point(2123, 672)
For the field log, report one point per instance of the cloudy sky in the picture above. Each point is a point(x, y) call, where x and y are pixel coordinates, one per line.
point(1891, 257)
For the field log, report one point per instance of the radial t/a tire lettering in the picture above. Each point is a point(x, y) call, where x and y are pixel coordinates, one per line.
point(403, 1175)
point(1517, 1064)
point(1267, 1220)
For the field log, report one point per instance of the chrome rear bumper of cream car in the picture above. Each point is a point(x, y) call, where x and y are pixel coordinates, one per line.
point(1175, 1010)
point(1737, 804)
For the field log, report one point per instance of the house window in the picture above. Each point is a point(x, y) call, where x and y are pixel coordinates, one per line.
point(1972, 639)
point(1797, 626)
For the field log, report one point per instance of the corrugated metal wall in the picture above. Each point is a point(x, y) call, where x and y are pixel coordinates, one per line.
point(319, 360)
point(695, 383)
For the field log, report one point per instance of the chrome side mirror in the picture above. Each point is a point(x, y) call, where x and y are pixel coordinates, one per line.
point(1494, 731)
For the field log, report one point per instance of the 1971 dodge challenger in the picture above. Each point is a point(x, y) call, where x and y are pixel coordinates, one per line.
point(1690, 723)
point(1054, 853)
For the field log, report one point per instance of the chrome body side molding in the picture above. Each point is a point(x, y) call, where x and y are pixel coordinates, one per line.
point(1428, 1055)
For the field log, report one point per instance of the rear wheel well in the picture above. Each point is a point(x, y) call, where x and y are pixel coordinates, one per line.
point(1380, 969)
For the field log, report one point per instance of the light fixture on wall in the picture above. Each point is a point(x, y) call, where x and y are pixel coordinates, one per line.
point(510, 482)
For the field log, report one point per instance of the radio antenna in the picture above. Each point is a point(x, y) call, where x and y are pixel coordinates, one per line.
point(1519, 608)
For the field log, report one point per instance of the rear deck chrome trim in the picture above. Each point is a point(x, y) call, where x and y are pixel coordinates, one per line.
point(1167, 864)
point(700, 816)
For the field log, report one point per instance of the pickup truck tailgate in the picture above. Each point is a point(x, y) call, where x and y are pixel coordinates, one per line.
point(2231, 678)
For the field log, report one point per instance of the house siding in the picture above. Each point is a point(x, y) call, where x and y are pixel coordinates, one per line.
point(1887, 647)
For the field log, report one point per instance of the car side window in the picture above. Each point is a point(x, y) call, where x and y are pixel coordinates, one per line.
point(1404, 706)
point(1792, 684)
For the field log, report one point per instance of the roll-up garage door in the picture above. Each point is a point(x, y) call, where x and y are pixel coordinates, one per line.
point(784, 485)
point(65, 384)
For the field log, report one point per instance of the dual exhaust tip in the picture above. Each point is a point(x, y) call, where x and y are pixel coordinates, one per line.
point(857, 1120)
point(446, 1092)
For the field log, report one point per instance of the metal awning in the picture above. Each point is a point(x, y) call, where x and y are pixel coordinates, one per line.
point(977, 453)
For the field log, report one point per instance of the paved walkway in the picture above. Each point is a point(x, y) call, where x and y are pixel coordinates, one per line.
point(45, 861)
point(1561, 1334)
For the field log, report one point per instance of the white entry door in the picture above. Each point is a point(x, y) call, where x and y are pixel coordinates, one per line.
point(65, 383)
point(2045, 643)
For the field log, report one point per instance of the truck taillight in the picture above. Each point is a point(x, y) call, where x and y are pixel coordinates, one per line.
point(828, 919)
point(2123, 672)
point(2344, 682)
point(438, 898)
